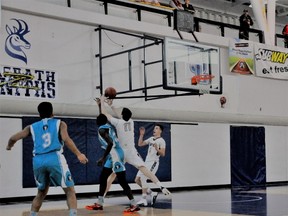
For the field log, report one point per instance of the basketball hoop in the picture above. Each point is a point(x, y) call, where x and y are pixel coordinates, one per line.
point(203, 78)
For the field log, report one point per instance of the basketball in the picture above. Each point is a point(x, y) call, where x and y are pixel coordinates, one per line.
point(222, 101)
point(110, 92)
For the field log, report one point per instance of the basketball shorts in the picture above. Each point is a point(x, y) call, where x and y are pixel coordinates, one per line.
point(51, 169)
point(133, 157)
point(115, 160)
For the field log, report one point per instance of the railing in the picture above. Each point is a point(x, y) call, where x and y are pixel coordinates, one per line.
point(224, 26)
point(169, 13)
point(139, 8)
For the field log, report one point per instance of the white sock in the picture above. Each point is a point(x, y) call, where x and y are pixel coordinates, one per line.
point(72, 212)
point(100, 200)
point(149, 191)
point(32, 213)
point(132, 202)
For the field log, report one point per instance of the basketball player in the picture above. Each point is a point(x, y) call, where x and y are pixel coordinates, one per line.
point(125, 130)
point(113, 161)
point(157, 146)
point(49, 164)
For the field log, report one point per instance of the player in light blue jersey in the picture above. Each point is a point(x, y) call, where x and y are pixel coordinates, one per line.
point(112, 161)
point(49, 164)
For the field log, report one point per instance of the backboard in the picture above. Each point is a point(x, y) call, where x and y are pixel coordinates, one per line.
point(191, 67)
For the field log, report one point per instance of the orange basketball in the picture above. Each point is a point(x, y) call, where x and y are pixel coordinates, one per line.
point(110, 92)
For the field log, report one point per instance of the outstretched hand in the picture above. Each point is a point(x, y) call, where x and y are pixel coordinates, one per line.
point(142, 130)
point(8, 148)
point(109, 101)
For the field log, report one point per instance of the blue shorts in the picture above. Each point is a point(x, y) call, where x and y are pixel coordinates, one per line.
point(116, 165)
point(51, 169)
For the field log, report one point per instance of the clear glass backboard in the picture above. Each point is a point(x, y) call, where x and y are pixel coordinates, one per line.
point(191, 67)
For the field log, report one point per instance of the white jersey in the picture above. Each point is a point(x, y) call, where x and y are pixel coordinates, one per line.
point(125, 132)
point(152, 154)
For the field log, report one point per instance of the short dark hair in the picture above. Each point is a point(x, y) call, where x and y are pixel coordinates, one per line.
point(45, 110)
point(126, 114)
point(160, 125)
point(101, 119)
point(245, 10)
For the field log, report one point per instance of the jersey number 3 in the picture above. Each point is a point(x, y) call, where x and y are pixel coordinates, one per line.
point(47, 140)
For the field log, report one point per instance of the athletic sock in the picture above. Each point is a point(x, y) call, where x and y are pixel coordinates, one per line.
point(149, 191)
point(72, 212)
point(100, 200)
point(132, 202)
point(159, 184)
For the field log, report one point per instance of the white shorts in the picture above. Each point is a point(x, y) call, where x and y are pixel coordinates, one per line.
point(132, 157)
point(150, 165)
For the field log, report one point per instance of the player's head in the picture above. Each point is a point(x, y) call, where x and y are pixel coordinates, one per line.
point(126, 114)
point(101, 120)
point(160, 126)
point(45, 110)
point(245, 11)
point(158, 129)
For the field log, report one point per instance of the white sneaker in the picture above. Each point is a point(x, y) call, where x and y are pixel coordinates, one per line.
point(153, 198)
point(165, 191)
point(142, 202)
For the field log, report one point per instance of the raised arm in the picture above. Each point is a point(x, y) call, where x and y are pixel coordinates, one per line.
point(141, 141)
point(19, 135)
point(103, 109)
point(70, 143)
point(115, 111)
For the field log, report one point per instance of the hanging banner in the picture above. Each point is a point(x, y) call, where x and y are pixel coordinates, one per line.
point(271, 61)
point(241, 57)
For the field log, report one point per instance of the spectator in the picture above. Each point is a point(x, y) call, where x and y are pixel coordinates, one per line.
point(152, 2)
point(245, 23)
point(176, 4)
point(187, 6)
point(285, 34)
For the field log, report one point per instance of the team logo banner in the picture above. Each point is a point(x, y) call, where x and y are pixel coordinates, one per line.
point(27, 82)
point(271, 61)
point(241, 57)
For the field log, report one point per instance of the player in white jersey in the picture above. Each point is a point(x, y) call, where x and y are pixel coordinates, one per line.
point(157, 147)
point(125, 131)
point(49, 165)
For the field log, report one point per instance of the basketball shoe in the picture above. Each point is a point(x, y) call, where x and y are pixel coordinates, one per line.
point(142, 202)
point(154, 196)
point(132, 208)
point(95, 206)
point(165, 191)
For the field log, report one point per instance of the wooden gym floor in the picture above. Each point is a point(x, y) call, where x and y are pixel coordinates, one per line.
point(272, 201)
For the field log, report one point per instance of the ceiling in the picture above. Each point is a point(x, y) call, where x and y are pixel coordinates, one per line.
point(237, 6)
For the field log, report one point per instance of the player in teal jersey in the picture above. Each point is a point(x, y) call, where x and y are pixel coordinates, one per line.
point(112, 161)
point(49, 164)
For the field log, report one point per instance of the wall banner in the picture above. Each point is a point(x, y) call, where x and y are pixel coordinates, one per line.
point(241, 57)
point(27, 82)
point(271, 61)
